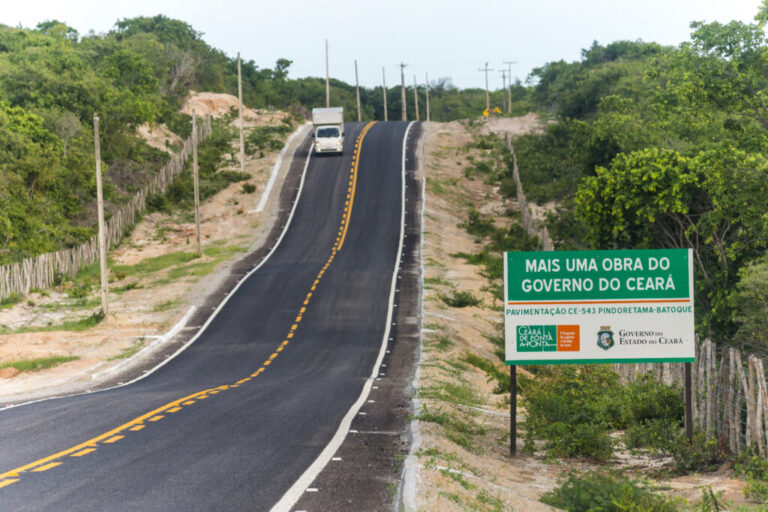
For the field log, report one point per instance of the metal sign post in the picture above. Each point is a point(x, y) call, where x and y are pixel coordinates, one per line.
point(512, 410)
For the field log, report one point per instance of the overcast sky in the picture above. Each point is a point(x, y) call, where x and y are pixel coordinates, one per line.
point(445, 38)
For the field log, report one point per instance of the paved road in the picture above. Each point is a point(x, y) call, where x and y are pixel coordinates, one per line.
point(233, 421)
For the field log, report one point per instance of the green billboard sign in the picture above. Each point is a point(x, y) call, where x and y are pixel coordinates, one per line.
point(599, 306)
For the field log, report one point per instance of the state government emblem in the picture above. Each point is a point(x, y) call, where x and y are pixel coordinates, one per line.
point(605, 337)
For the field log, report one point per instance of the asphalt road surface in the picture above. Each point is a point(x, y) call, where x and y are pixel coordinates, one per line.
point(234, 420)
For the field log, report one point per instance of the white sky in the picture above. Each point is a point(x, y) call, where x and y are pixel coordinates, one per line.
point(445, 38)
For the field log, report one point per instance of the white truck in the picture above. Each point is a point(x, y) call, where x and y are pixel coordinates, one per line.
point(328, 125)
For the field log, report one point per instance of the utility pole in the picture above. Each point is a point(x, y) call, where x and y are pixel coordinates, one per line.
point(102, 227)
point(357, 92)
point(197, 184)
point(504, 86)
point(427, 90)
point(384, 91)
point(402, 89)
point(240, 101)
point(487, 94)
point(416, 97)
point(327, 79)
point(509, 90)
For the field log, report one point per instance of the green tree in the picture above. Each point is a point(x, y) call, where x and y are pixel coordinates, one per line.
point(749, 302)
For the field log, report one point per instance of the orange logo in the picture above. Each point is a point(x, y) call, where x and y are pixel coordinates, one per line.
point(567, 338)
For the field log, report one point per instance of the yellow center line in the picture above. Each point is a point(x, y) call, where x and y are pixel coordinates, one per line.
point(353, 180)
point(154, 415)
point(47, 467)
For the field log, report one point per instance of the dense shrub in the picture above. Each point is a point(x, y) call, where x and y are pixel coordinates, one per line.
point(573, 409)
point(652, 413)
point(700, 454)
point(596, 491)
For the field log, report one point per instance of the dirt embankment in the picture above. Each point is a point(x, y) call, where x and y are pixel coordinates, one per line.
point(154, 278)
point(463, 460)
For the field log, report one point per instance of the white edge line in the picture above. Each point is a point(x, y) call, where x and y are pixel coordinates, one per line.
point(276, 169)
point(293, 494)
point(210, 318)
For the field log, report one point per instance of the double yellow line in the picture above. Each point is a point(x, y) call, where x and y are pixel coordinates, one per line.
point(139, 423)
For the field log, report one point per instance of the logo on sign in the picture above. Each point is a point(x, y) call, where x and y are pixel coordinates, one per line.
point(536, 338)
point(605, 337)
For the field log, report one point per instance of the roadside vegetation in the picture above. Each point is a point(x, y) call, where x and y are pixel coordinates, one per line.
point(662, 147)
point(53, 80)
point(584, 416)
point(649, 147)
point(32, 365)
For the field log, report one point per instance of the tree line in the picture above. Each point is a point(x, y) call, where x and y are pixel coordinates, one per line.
point(657, 147)
point(53, 79)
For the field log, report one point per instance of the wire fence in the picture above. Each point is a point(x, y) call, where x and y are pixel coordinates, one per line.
point(729, 394)
point(542, 233)
point(42, 271)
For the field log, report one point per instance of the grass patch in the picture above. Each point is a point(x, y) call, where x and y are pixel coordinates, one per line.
point(123, 289)
point(434, 453)
point(151, 265)
point(496, 503)
point(130, 351)
point(458, 478)
point(436, 186)
point(214, 254)
point(43, 363)
point(461, 299)
point(165, 306)
point(453, 497)
point(455, 367)
point(494, 374)
point(73, 325)
point(82, 303)
point(463, 394)
point(441, 343)
point(431, 262)
point(456, 429)
point(497, 339)
point(10, 300)
point(437, 280)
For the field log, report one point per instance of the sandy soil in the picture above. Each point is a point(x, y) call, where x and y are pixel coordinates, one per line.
point(141, 307)
point(159, 137)
point(481, 475)
point(529, 123)
point(478, 476)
